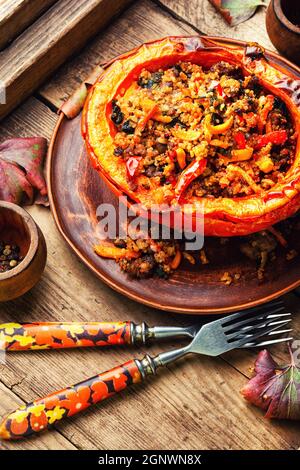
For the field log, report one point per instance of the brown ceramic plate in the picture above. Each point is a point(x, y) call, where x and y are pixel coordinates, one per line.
point(76, 190)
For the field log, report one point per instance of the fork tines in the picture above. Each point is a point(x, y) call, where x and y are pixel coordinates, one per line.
point(258, 327)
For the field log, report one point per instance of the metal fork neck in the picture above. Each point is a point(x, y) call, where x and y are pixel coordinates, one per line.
point(141, 333)
point(149, 365)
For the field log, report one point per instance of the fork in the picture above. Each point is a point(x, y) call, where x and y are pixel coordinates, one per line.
point(236, 331)
point(60, 335)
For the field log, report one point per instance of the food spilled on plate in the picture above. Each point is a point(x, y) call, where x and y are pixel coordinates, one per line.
point(176, 122)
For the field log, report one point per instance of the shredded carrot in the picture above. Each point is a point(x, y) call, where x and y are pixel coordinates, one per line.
point(176, 260)
point(219, 143)
point(114, 252)
point(278, 235)
point(189, 257)
point(242, 173)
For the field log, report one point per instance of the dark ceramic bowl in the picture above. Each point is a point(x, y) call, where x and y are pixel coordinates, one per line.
point(283, 26)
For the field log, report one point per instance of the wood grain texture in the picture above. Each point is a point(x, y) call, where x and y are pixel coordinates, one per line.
point(143, 21)
point(16, 15)
point(196, 401)
point(51, 441)
point(203, 16)
point(46, 44)
point(193, 404)
point(31, 119)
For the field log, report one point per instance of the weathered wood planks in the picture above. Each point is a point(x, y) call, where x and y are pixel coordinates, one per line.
point(203, 16)
point(193, 404)
point(141, 22)
point(16, 15)
point(48, 42)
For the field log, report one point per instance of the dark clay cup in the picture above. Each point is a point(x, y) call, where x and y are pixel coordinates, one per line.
point(283, 26)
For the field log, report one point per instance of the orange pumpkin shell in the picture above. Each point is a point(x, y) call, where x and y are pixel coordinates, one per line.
point(222, 216)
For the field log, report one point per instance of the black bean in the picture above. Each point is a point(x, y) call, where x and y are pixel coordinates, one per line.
point(118, 151)
point(117, 116)
point(127, 127)
point(161, 148)
point(120, 243)
point(176, 120)
point(149, 82)
point(279, 104)
point(254, 84)
point(150, 171)
point(159, 271)
point(216, 119)
point(156, 77)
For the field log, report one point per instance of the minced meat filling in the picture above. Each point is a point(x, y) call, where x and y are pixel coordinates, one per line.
point(168, 119)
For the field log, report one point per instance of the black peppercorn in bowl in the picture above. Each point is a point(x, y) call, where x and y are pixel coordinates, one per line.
point(23, 251)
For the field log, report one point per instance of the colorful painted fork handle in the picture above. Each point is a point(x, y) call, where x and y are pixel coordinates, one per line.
point(45, 412)
point(55, 335)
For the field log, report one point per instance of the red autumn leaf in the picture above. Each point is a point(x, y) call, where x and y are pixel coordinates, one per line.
point(237, 11)
point(21, 170)
point(14, 186)
point(274, 388)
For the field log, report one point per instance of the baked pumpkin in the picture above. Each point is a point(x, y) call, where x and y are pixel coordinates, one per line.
point(183, 120)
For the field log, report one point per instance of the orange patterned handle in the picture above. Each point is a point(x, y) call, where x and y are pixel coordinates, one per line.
point(55, 335)
point(45, 412)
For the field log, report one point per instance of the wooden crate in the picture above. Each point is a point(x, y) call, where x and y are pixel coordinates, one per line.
point(16, 15)
point(63, 28)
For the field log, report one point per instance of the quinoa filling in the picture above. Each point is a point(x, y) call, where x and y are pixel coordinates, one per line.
point(205, 133)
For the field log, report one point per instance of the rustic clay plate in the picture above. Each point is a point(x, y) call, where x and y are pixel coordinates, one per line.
point(76, 190)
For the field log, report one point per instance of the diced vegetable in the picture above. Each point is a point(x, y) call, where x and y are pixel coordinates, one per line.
point(161, 118)
point(195, 169)
point(151, 108)
point(275, 137)
point(132, 165)
point(220, 90)
point(219, 143)
point(240, 140)
point(114, 252)
point(186, 135)
point(181, 158)
point(265, 164)
point(239, 155)
point(220, 128)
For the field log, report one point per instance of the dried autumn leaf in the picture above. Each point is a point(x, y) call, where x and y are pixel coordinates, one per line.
point(22, 161)
point(14, 186)
point(72, 107)
point(237, 11)
point(274, 388)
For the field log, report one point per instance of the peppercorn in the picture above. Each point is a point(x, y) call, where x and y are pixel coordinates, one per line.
point(9, 256)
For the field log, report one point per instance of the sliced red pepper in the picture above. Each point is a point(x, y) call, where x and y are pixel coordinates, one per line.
point(220, 90)
point(241, 119)
point(240, 140)
point(275, 137)
point(132, 165)
point(195, 169)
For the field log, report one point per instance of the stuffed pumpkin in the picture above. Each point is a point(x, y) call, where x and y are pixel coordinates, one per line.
point(182, 121)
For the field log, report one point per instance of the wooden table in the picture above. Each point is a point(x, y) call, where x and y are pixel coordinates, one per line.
point(194, 404)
